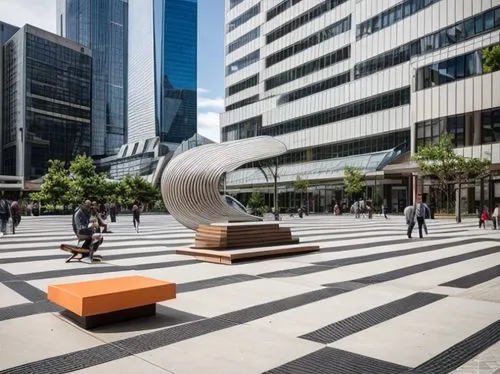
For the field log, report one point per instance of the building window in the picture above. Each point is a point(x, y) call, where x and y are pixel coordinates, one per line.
point(240, 20)
point(280, 8)
point(450, 70)
point(243, 85)
point(369, 105)
point(302, 19)
point(319, 37)
point(308, 68)
point(315, 88)
point(243, 62)
point(242, 103)
point(391, 16)
point(469, 129)
point(457, 33)
point(243, 40)
point(242, 130)
point(233, 3)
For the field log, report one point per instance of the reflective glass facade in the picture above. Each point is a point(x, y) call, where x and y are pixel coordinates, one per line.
point(163, 70)
point(102, 25)
point(47, 102)
point(6, 31)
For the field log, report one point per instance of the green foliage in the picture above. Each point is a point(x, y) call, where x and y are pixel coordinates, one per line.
point(56, 185)
point(256, 201)
point(300, 184)
point(440, 161)
point(86, 182)
point(134, 188)
point(354, 181)
point(491, 59)
point(82, 181)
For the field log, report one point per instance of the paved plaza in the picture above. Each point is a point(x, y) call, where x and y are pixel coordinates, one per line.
point(371, 301)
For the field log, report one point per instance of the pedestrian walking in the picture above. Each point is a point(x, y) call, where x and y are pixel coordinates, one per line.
point(136, 217)
point(415, 213)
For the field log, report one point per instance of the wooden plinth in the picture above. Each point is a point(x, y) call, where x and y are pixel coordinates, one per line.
point(242, 235)
point(226, 243)
point(230, 256)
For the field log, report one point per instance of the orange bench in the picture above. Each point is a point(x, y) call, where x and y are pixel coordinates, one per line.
point(101, 302)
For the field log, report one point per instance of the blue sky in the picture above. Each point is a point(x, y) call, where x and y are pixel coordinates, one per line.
point(42, 13)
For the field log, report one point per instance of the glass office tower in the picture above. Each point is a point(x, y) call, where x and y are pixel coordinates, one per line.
point(162, 70)
point(102, 25)
point(46, 101)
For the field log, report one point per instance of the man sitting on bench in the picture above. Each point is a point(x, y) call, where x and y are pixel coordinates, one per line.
point(87, 228)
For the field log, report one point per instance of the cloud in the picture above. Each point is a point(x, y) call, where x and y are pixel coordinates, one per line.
point(39, 13)
point(209, 109)
point(208, 125)
point(205, 102)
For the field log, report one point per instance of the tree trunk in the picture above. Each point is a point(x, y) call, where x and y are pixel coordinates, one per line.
point(458, 199)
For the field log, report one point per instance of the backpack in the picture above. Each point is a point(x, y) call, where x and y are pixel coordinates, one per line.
point(4, 207)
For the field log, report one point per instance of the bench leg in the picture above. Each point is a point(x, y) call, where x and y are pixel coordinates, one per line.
point(91, 322)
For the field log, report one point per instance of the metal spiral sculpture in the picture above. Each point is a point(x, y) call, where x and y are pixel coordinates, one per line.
point(190, 184)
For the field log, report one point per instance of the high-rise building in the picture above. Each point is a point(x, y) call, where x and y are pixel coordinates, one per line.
point(162, 70)
point(46, 101)
point(361, 83)
point(6, 32)
point(102, 26)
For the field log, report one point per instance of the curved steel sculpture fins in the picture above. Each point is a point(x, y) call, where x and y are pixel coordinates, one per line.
point(191, 181)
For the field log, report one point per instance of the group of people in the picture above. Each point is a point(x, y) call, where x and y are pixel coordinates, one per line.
point(9, 210)
point(485, 216)
point(416, 214)
point(90, 218)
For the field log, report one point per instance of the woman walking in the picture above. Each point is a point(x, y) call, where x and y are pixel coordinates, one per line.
point(136, 216)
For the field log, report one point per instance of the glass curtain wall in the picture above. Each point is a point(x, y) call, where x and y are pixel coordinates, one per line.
point(102, 25)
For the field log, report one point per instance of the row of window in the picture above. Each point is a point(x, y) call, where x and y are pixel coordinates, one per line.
point(315, 88)
point(242, 130)
point(470, 28)
point(308, 68)
point(466, 129)
point(359, 108)
point(233, 3)
point(280, 8)
point(242, 103)
point(244, 40)
point(391, 16)
point(304, 18)
point(243, 85)
point(447, 71)
point(243, 62)
point(319, 37)
point(353, 147)
point(240, 20)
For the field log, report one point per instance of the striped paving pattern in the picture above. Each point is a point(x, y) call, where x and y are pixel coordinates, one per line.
point(371, 301)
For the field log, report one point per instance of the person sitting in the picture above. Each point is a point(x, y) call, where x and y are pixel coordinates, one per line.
point(96, 212)
point(87, 228)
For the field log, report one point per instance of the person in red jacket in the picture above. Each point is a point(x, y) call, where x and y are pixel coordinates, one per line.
point(483, 218)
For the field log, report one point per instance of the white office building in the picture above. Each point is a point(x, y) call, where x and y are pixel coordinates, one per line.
point(361, 83)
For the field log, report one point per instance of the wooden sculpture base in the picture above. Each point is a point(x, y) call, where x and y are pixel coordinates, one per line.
point(227, 243)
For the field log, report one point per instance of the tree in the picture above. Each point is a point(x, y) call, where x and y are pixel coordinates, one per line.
point(256, 202)
point(491, 59)
point(136, 188)
point(449, 169)
point(354, 181)
point(56, 185)
point(86, 182)
point(302, 185)
point(270, 170)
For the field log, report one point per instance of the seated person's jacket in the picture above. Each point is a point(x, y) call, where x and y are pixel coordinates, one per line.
point(81, 220)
